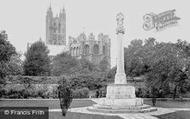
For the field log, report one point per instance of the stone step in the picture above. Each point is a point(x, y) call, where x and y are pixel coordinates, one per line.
point(116, 108)
point(106, 110)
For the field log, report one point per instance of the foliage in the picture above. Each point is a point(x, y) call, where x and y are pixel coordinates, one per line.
point(137, 56)
point(37, 62)
point(82, 72)
point(86, 67)
point(65, 95)
point(104, 65)
point(15, 65)
point(64, 64)
point(31, 86)
point(30, 91)
point(91, 81)
point(81, 93)
point(166, 66)
point(167, 69)
point(6, 52)
point(111, 74)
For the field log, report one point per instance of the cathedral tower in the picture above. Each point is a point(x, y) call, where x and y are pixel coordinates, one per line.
point(56, 28)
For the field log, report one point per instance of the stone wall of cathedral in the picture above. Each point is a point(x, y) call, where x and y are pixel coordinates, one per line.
point(90, 48)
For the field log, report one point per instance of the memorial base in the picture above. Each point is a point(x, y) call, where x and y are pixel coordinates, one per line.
point(120, 98)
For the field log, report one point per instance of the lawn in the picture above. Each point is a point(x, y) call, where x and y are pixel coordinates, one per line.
point(170, 104)
point(71, 115)
point(54, 104)
point(176, 115)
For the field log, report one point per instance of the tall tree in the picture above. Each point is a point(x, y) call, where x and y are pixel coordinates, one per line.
point(133, 58)
point(37, 62)
point(6, 51)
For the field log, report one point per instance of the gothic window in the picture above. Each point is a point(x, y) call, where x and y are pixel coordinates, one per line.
point(54, 40)
point(77, 51)
point(74, 52)
point(59, 38)
point(71, 51)
point(86, 49)
point(104, 50)
point(96, 49)
point(54, 27)
point(59, 28)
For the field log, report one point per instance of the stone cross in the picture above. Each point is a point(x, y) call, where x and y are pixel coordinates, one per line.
point(120, 77)
point(120, 23)
point(120, 18)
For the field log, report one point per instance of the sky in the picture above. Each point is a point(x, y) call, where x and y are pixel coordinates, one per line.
point(24, 20)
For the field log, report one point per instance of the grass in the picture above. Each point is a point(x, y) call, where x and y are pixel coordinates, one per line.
point(170, 104)
point(173, 104)
point(54, 104)
point(71, 115)
point(176, 115)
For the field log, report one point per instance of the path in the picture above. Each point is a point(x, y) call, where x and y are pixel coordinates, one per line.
point(148, 115)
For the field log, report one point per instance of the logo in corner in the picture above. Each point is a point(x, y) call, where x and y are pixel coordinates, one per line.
point(160, 21)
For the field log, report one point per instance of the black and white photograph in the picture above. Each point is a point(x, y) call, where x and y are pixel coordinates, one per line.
point(94, 59)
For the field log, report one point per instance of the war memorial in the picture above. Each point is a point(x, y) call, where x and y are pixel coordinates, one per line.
point(120, 97)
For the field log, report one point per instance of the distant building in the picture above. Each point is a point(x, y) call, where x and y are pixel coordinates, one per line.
point(55, 28)
point(94, 50)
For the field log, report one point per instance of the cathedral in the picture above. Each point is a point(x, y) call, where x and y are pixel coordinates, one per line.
point(94, 50)
point(56, 28)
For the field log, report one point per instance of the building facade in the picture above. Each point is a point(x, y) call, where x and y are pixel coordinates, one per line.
point(56, 28)
point(94, 50)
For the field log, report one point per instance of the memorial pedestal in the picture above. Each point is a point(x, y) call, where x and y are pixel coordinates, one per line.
point(120, 98)
point(120, 91)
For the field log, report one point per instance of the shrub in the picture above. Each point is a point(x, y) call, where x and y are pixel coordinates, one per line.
point(2, 93)
point(65, 95)
point(84, 92)
point(81, 93)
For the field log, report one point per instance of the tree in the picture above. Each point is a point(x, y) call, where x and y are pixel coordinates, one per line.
point(37, 62)
point(15, 65)
point(65, 95)
point(111, 74)
point(7, 50)
point(81, 72)
point(164, 64)
point(167, 69)
point(92, 81)
point(134, 58)
point(104, 65)
point(86, 66)
point(64, 64)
